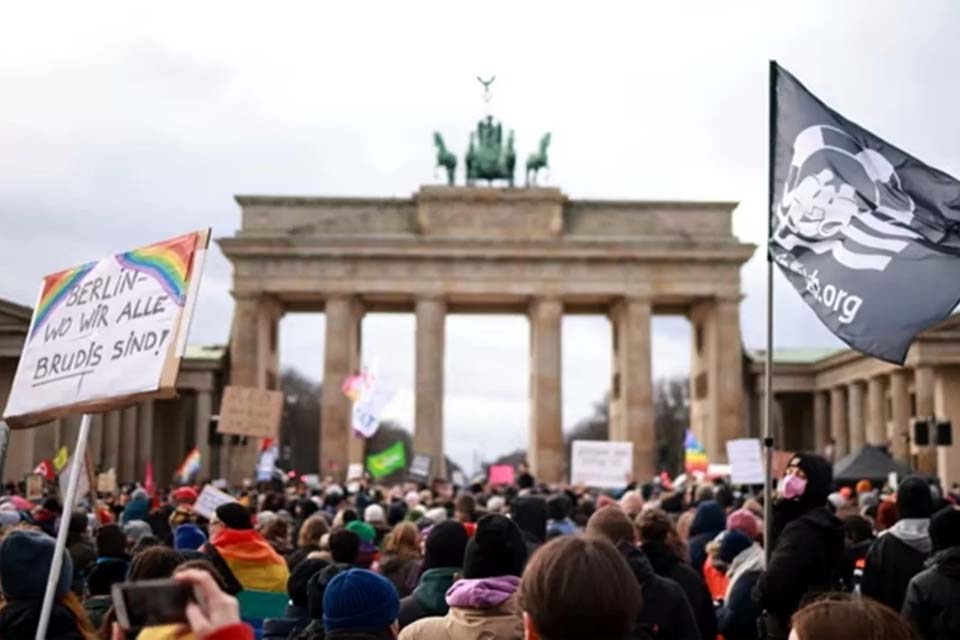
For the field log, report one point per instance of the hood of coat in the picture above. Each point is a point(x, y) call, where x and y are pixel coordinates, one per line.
point(913, 532)
point(431, 593)
point(710, 519)
point(503, 621)
point(748, 560)
point(482, 593)
point(638, 562)
point(947, 562)
point(662, 558)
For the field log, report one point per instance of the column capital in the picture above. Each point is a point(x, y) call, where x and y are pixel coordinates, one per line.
point(546, 303)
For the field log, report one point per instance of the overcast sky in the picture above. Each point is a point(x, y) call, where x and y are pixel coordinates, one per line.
point(125, 124)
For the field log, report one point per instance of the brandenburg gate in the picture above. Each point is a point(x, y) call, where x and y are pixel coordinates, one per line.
point(468, 249)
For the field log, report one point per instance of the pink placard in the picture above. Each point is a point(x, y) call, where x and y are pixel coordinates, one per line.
point(501, 474)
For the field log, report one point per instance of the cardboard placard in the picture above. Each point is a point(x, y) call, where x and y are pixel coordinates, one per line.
point(746, 461)
point(420, 466)
point(108, 333)
point(501, 474)
point(247, 411)
point(107, 482)
point(209, 499)
point(34, 483)
point(601, 463)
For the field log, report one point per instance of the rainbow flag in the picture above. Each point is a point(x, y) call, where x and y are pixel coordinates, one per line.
point(168, 261)
point(695, 457)
point(56, 287)
point(189, 467)
point(252, 560)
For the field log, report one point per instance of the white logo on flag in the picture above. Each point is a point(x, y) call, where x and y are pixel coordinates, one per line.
point(843, 198)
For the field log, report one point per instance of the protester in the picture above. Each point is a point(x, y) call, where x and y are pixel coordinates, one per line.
point(558, 516)
point(465, 512)
point(655, 528)
point(367, 553)
point(188, 537)
point(360, 605)
point(442, 561)
point(344, 546)
point(111, 566)
point(530, 514)
point(297, 615)
point(899, 552)
point(309, 535)
point(217, 615)
point(25, 561)
point(845, 617)
point(316, 589)
point(579, 588)
point(932, 602)
point(807, 543)
point(665, 606)
point(81, 549)
point(857, 539)
point(709, 521)
point(737, 614)
point(400, 562)
point(241, 554)
point(484, 603)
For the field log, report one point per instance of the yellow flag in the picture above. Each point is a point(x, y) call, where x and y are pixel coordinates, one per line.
point(60, 461)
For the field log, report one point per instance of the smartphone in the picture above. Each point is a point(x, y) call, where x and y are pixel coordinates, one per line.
point(151, 602)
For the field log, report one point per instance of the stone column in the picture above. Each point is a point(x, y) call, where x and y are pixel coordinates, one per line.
point(95, 440)
point(857, 427)
point(838, 422)
point(341, 358)
point(899, 434)
point(876, 411)
point(923, 382)
point(144, 439)
point(632, 397)
point(428, 429)
point(821, 420)
point(545, 450)
point(127, 467)
point(947, 406)
point(201, 431)
point(22, 457)
point(111, 440)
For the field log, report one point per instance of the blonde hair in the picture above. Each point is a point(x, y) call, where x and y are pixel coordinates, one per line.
point(403, 540)
point(312, 530)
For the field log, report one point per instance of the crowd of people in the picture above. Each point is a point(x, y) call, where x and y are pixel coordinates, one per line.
point(364, 561)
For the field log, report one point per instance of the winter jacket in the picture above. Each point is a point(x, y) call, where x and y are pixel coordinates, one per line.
point(851, 555)
point(19, 620)
point(430, 596)
point(564, 527)
point(484, 609)
point(894, 558)
point(709, 521)
point(804, 562)
point(666, 612)
point(737, 616)
point(97, 607)
point(667, 564)
point(402, 572)
point(932, 603)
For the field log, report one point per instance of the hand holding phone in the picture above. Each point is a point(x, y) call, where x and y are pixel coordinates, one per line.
point(152, 602)
point(213, 609)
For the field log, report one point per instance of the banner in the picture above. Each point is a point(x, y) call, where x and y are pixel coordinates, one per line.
point(370, 394)
point(107, 482)
point(746, 461)
point(248, 411)
point(868, 235)
point(501, 474)
point(209, 499)
point(601, 464)
point(695, 457)
point(105, 334)
point(391, 459)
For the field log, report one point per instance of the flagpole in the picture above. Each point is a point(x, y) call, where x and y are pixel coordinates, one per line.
point(768, 366)
point(76, 462)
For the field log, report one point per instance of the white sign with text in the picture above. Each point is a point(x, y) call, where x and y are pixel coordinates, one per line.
point(601, 464)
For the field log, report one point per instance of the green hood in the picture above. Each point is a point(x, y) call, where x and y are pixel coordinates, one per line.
point(431, 593)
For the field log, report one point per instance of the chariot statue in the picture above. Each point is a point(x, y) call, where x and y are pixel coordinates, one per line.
point(488, 157)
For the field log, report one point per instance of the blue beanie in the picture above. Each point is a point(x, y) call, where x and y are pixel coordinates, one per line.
point(732, 543)
point(188, 536)
point(359, 599)
point(25, 559)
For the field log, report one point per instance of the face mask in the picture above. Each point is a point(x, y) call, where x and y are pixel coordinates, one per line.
point(793, 486)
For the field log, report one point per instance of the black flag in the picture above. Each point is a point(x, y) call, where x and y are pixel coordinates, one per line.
point(869, 235)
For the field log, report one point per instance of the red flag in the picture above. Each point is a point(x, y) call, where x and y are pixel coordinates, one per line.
point(45, 468)
point(265, 444)
point(148, 483)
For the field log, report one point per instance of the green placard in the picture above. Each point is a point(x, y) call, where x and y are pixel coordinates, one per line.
point(393, 458)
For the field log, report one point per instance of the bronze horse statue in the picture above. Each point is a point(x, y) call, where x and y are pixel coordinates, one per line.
point(445, 159)
point(538, 160)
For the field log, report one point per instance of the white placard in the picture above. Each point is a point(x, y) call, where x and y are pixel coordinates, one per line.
point(355, 471)
point(746, 461)
point(366, 410)
point(601, 464)
point(420, 466)
point(108, 332)
point(459, 479)
point(209, 499)
point(83, 483)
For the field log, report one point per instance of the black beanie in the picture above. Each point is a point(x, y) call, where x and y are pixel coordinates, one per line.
point(914, 499)
point(234, 516)
point(300, 576)
point(496, 549)
point(530, 514)
point(111, 541)
point(445, 545)
point(819, 479)
point(945, 528)
point(317, 586)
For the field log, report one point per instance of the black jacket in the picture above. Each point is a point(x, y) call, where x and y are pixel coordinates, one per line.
point(737, 617)
point(851, 555)
point(890, 564)
point(932, 603)
point(805, 561)
point(666, 612)
point(666, 564)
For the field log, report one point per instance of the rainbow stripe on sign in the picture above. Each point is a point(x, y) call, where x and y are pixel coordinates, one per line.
point(56, 286)
point(695, 458)
point(168, 262)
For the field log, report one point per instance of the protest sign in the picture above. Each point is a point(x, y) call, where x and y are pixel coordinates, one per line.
point(209, 499)
point(247, 411)
point(355, 471)
point(369, 394)
point(83, 482)
point(420, 467)
point(746, 461)
point(500, 474)
point(34, 483)
point(601, 464)
point(108, 333)
point(459, 479)
point(107, 482)
point(393, 458)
